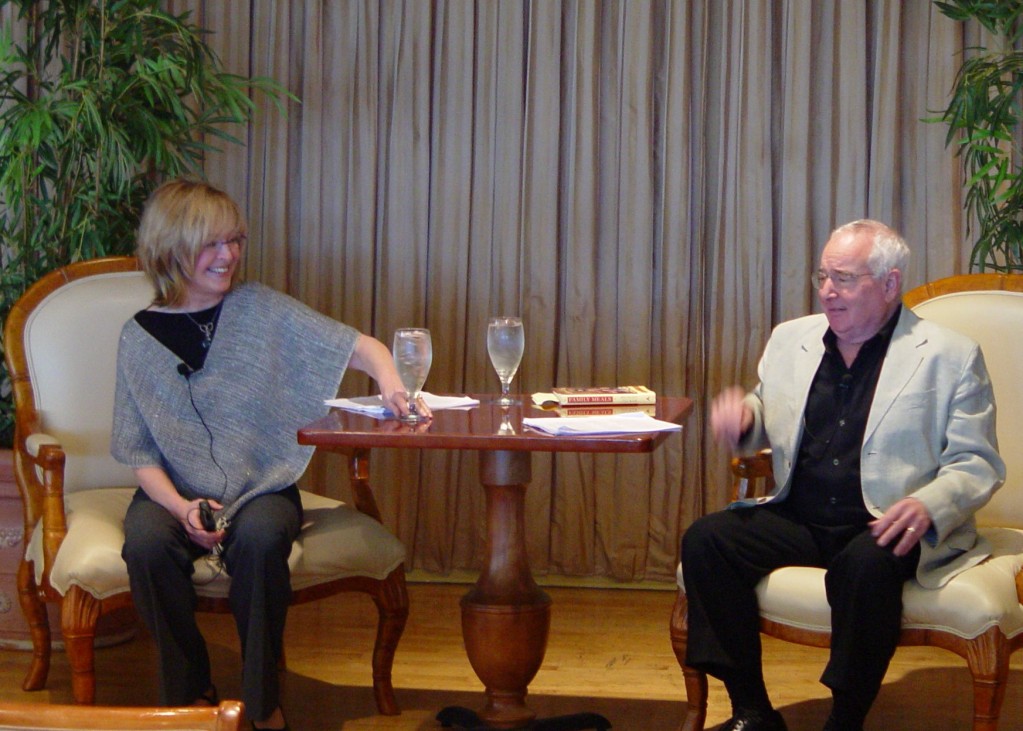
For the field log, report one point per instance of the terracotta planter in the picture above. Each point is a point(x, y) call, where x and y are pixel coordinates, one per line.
point(14, 634)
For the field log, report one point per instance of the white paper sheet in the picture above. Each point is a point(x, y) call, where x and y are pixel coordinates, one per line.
point(373, 405)
point(634, 423)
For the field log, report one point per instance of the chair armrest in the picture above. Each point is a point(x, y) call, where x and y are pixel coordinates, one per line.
point(35, 442)
point(752, 476)
point(30, 467)
point(39, 468)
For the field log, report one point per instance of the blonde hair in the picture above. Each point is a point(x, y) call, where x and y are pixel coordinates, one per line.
point(180, 217)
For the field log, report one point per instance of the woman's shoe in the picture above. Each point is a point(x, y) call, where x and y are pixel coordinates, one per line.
point(209, 698)
point(278, 713)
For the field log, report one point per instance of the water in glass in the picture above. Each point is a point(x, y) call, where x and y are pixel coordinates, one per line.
point(413, 355)
point(505, 343)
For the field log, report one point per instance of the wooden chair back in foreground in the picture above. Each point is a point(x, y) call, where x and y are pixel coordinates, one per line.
point(58, 717)
point(60, 343)
point(979, 613)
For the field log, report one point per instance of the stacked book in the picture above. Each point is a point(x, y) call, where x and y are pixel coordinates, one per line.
point(598, 401)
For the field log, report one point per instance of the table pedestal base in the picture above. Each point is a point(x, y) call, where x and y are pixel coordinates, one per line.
point(506, 617)
point(519, 634)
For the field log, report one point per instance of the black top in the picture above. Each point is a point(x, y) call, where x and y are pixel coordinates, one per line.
point(184, 334)
point(826, 486)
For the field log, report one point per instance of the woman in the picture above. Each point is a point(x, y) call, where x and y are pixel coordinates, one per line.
point(213, 380)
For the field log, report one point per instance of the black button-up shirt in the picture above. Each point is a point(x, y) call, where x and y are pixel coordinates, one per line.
point(826, 486)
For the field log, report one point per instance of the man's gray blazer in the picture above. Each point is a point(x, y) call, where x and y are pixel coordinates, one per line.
point(930, 433)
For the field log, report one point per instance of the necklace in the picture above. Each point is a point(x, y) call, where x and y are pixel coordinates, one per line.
point(206, 328)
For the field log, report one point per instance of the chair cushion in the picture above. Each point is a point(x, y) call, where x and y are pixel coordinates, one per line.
point(971, 603)
point(336, 542)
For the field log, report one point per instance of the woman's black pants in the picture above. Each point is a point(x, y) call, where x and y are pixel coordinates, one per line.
point(255, 554)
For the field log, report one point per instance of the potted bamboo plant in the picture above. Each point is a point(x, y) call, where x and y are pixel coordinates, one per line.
point(983, 118)
point(99, 101)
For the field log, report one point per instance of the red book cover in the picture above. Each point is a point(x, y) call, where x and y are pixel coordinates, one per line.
point(607, 395)
point(607, 410)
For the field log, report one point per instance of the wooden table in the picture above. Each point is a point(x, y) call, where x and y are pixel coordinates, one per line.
point(505, 616)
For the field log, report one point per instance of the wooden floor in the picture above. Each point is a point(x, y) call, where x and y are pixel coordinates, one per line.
point(609, 653)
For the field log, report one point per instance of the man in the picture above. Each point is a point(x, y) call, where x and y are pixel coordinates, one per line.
point(882, 430)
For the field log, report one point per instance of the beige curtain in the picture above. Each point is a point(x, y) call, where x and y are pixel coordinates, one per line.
point(647, 182)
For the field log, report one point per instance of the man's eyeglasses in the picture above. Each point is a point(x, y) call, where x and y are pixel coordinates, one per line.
point(235, 241)
point(839, 280)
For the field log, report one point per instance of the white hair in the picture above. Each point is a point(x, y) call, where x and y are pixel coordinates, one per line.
point(889, 250)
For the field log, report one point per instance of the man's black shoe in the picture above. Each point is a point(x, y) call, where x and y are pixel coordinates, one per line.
point(833, 725)
point(755, 721)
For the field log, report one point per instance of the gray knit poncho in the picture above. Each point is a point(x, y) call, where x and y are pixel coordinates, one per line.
point(272, 363)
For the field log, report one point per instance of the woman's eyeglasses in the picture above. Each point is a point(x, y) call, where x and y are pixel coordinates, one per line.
point(234, 241)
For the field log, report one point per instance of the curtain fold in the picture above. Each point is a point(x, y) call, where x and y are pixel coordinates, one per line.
point(648, 184)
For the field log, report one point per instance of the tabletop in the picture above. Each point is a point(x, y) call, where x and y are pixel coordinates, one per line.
point(485, 427)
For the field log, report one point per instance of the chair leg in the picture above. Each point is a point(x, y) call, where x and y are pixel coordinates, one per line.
point(34, 610)
point(392, 606)
point(79, 613)
point(988, 660)
point(696, 681)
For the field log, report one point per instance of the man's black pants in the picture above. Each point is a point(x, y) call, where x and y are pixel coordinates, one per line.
point(724, 556)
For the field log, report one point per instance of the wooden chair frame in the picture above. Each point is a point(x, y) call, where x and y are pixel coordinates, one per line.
point(56, 717)
point(986, 655)
point(43, 499)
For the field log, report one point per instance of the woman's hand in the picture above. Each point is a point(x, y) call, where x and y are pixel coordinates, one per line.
point(193, 526)
point(158, 486)
point(394, 396)
point(372, 357)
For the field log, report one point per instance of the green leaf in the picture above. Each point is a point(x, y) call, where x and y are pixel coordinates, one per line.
point(982, 118)
point(122, 94)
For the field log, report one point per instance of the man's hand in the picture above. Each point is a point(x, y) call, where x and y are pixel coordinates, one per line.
point(730, 416)
point(906, 520)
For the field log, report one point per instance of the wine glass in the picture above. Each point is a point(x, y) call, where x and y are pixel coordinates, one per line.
point(506, 428)
point(413, 355)
point(505, 343)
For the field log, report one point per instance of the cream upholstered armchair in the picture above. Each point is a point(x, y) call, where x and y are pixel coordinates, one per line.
point(978, 615)
point(61, 344)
